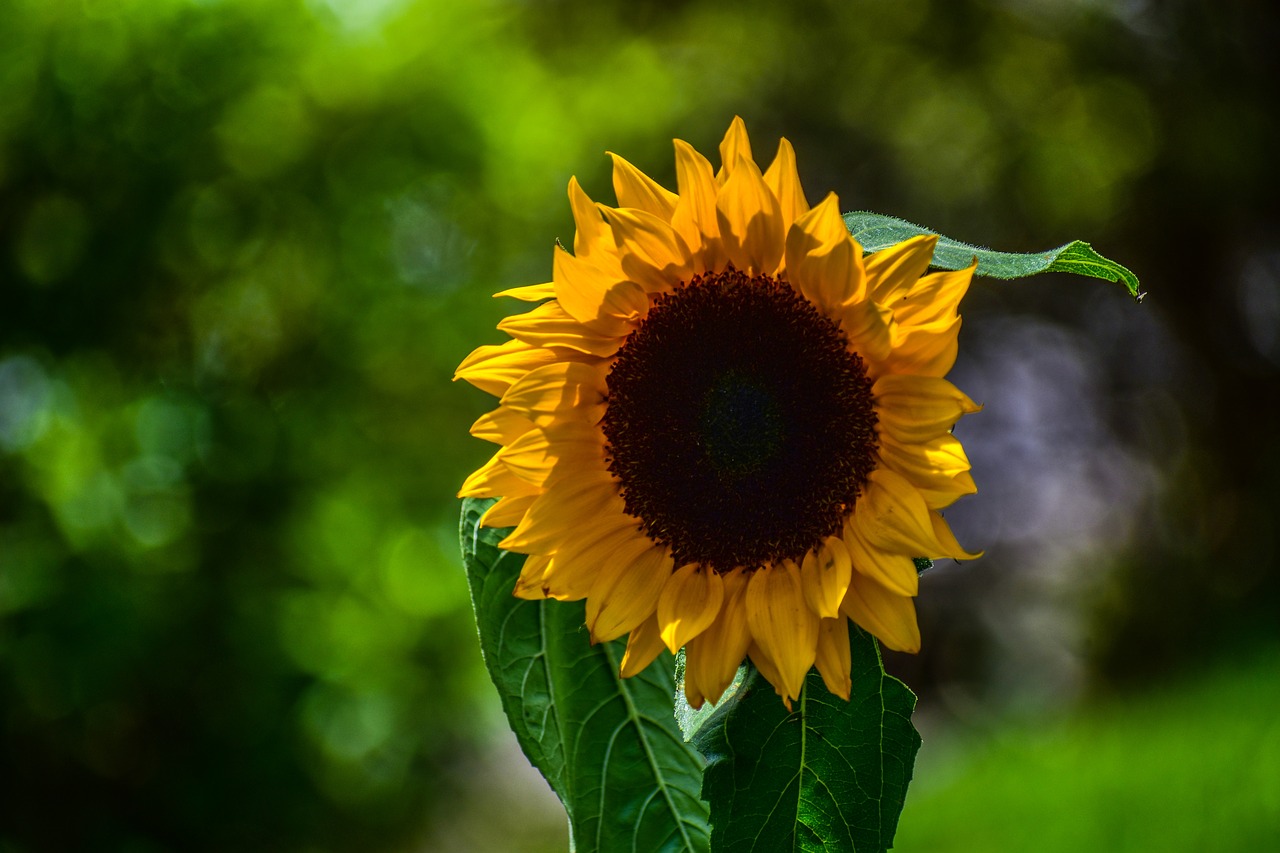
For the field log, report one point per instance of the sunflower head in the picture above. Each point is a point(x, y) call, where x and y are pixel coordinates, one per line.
point(726, 428)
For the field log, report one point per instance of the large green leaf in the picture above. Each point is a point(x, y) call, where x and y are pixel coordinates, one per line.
point(829, 775)
point(875, 231)
point(609, 747)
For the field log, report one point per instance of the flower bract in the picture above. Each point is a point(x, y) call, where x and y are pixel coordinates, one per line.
point(724, 426)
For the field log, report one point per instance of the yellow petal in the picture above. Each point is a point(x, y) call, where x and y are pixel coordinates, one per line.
point(891, 618)
point(782, 624)
point(825, 576)
point(643, 647)
point(592, 235)
point(939, 469)
point(542, 455)
point(869, 326)
point(626, 590)
point(750, 221)
point(530, 292)
point(563, 389)
point(575, 566)
point(508, 511)
point(894, 571)
point(689, 604)
point(695, 213)
point(501, 426)
point(891, 515)
point(549, 325)
point(734, 147)
point(608, 305)
point(636, 189)
point(823, 262)
point(560, 511)
point(892, 272)
point(924, 350)
point(653, 254)
point(917, 409)
point(713, 657)
point(769, 670)
point(942, 532)
point(493, 368)
point(493, 479)
point(834, 658)
point(784, 179)
point(933, 298)
point(529, 584)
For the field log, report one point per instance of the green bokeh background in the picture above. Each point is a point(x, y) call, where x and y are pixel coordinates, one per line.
point(244, 243)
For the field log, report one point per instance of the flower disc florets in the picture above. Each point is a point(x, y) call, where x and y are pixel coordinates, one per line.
point(739, 423)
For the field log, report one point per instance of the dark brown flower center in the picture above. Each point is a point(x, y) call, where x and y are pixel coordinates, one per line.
point(739, 423)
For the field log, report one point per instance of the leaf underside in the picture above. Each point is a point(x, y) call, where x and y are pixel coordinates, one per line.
point(829, 775)
point(875, 231)
point(609, 747)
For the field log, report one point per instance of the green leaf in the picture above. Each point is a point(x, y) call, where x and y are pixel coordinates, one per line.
point(830, 775)
point(875, 231)
point(692, 719)
point(609, 747)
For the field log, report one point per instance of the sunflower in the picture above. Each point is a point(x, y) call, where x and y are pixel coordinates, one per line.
point(726, 428)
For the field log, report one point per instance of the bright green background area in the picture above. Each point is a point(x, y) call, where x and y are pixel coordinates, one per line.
point(1189, 766)
point(243, 246)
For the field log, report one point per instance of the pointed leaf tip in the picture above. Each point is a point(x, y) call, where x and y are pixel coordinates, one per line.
point(876, 231)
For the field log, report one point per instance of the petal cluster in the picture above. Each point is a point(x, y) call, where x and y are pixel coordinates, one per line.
point(551, 473)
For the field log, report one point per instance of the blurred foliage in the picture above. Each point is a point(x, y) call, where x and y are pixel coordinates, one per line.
point(243, 244)
point(1125, 776)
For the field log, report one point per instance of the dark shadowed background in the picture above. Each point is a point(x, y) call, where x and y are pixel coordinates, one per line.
point(244, 244)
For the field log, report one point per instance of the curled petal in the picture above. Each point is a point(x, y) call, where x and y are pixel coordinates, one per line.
point(784, 179)
point(939, 468)
point(892, 272)
point(549, 325)
point(782, 624)
point(653, 253)
point(530, 292)
point(823, 262)
point(493, 368)
point(507, 511)
point(834, 658)
point(942, 532)
point(626, 590)
point(643, 647)
point(924, 350)
point(734, 147)
point(558, 512)
point(501, 426)
point(542, 455)
point(933, 298)
point(605, 303)
point(494, 479)
point(689, 604)
point(750, 221)
point(896, 572)
point(889, 617)
point(825, 575)
point(529, 585)
point(893, 516)
point(695, 214)
point(916, 409)
point(636, 189)
point(713, 657)
point(556, 390)
point(769, 670)
point(593, 236)
point(576, 565)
